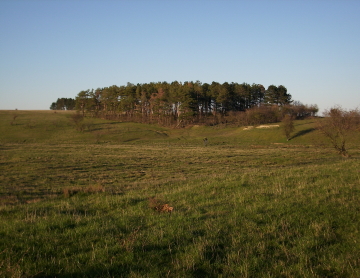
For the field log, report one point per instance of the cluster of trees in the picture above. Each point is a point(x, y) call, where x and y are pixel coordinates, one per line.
point(179, 104)
point(63, 104)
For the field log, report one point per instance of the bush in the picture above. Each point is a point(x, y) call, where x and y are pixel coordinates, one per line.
point(78, 119)
point(338, 125)
point(262, 115)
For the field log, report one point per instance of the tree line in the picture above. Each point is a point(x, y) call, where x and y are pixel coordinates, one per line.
point(180, 104)
point(63, 104)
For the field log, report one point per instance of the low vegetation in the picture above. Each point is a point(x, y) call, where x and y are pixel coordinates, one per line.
point(339, 125)
point(244, 203)
point(288, 126)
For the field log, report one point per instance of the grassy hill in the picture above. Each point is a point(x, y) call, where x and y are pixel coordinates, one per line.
point(58, 127)
point(246, 204)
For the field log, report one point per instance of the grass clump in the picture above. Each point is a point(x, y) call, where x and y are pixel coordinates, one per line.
point(159, 206)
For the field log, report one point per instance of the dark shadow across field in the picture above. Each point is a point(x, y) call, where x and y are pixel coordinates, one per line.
point(303, 132)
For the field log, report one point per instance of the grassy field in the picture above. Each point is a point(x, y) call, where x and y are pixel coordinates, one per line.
point(246, 204)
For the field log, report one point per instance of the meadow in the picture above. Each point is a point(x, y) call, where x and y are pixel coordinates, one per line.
point(247, 203)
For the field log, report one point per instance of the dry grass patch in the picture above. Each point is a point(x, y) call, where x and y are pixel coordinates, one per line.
point(8, 200)
point(159, 205)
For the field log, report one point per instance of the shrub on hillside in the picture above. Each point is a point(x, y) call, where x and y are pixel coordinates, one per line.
point(262, 115)
point(338, 125)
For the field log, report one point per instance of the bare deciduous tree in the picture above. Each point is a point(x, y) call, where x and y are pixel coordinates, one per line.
point(78, 119)
point(338, 125)
point(288, 126)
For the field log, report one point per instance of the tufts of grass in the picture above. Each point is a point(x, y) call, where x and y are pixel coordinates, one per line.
point(249, 204)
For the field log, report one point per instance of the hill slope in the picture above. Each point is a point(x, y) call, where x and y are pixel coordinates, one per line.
point(248, 204)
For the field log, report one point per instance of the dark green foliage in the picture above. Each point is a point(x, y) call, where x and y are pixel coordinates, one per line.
point(63, 104)
point(179, 104)
point(277, 95)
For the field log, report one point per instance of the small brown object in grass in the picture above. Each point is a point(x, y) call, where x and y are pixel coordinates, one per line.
point(70, 191)
point(165, 208)
point(159, 206)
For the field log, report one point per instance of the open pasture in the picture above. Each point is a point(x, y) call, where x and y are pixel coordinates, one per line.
point(246, 204)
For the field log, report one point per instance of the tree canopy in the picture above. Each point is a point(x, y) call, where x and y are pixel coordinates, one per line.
point(178, 103)
point(63, 104)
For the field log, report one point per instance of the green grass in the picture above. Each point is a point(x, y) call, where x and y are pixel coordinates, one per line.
point(249, 204)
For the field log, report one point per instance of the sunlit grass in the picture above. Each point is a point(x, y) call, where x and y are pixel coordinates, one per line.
point(249, 204)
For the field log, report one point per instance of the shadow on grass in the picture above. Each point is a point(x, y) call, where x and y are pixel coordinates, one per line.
point(302, 132)
point(118, 270)
point(130, 140)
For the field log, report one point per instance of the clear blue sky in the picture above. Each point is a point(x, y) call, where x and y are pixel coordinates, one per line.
point(56, 48)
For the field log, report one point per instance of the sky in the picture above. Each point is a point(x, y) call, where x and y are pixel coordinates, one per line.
point(51, 49)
